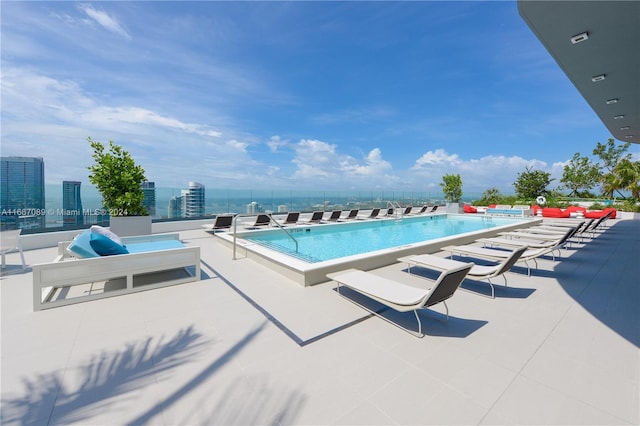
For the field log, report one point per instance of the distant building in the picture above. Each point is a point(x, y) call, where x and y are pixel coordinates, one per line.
point(194, 200)
point(175, 207)
point(72, 214)
point(149, 201)
point(282, 208)
point(22, 200)
point(253, 208)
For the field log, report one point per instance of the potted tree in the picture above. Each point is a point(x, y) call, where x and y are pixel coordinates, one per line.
point(118, 179)
point(452, 190)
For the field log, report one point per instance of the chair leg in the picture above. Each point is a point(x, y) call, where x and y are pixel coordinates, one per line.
point(24, 264)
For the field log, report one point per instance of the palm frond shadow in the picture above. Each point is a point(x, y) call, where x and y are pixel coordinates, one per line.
point(104, 377)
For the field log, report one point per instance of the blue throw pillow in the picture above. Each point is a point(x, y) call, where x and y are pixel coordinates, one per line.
point(81, 246)
point(105, 246)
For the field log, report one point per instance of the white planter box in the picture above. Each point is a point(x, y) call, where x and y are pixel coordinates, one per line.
point(455, 208)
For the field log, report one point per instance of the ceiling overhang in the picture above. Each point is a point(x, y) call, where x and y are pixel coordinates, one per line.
point(597, 45)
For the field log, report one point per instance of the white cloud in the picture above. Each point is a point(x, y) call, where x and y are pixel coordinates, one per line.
point(104, 20)
point(275, 143)
point(320, 160)
point(439, 156)
point(478, 174)
point(53, 117)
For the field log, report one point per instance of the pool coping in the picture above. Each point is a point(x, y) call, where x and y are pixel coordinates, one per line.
point(308, 274)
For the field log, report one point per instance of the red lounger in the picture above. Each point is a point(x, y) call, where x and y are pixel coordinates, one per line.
point(573, 209)
point(555, 212)
point(470, 209)
point(597, 214)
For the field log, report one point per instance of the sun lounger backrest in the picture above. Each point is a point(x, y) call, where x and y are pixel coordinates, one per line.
point(316, 216)
point(374, 212)
point(292, 217)
point(262, 219)
point(510, 261)
point(446, 284)
point(335, 215)
point(223, 221)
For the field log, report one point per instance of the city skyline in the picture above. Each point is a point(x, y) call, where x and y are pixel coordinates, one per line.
point(291, 95)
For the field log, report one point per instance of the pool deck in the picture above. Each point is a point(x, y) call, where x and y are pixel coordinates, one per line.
point(246, 345)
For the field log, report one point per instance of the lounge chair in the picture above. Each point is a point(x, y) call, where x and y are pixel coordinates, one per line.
point(407, 210)
point(291, 219)
point(500, 254)
point(335, 215)
point(152, 261)
point(402, 297)
point(223, 221)
point(422, 210)
point(481, 272)
point(353, 214)
point(434, 208)
point(559, 238)
point(390, 212)
point(316, 217)
point(10, 242)
point(374, 214)
point(261, 220)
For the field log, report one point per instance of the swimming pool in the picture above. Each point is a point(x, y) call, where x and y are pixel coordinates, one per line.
point(365, 245)
point(322, 243)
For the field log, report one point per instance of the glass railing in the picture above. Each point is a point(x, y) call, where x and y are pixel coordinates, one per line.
point(54, 218)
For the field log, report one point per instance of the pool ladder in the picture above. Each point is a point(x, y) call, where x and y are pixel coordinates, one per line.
point(271, 220)
point(398, 211)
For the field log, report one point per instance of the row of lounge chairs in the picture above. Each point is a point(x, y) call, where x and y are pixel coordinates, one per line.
point(484, 260)
point(293, 218)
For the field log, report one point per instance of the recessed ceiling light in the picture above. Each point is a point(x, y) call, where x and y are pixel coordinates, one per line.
point(598, 77)
point(612, 101)
point(625, 127)
point(618, 117)
point(579, 37)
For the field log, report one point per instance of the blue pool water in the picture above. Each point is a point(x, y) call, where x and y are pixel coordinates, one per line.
point(318, 243)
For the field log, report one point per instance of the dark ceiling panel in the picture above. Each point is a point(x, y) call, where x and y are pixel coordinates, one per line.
point(612, 49)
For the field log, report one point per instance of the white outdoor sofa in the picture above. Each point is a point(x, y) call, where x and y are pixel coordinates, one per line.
point(154, 261)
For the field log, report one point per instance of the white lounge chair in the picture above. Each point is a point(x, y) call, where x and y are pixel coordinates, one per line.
point(353, 214)
point(374, 214)
point(500, 255)
point(291, 219)
point(10, 242)
point(316, 217)
point(261, 221)
point(481, 272)
point(154, 261)
point(335, 216)
point(222, 221)
point(402, 297)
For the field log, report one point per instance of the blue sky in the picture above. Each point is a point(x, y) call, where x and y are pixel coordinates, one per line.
point(290, 95)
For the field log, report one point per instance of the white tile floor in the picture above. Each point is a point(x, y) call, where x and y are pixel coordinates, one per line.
point(247, 346)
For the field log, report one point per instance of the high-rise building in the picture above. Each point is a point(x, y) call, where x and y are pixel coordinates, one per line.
point(149, 201)
point(22, 201)
point(71, 204)
point(175, 207)
point(253, 208)
point(194, 200)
